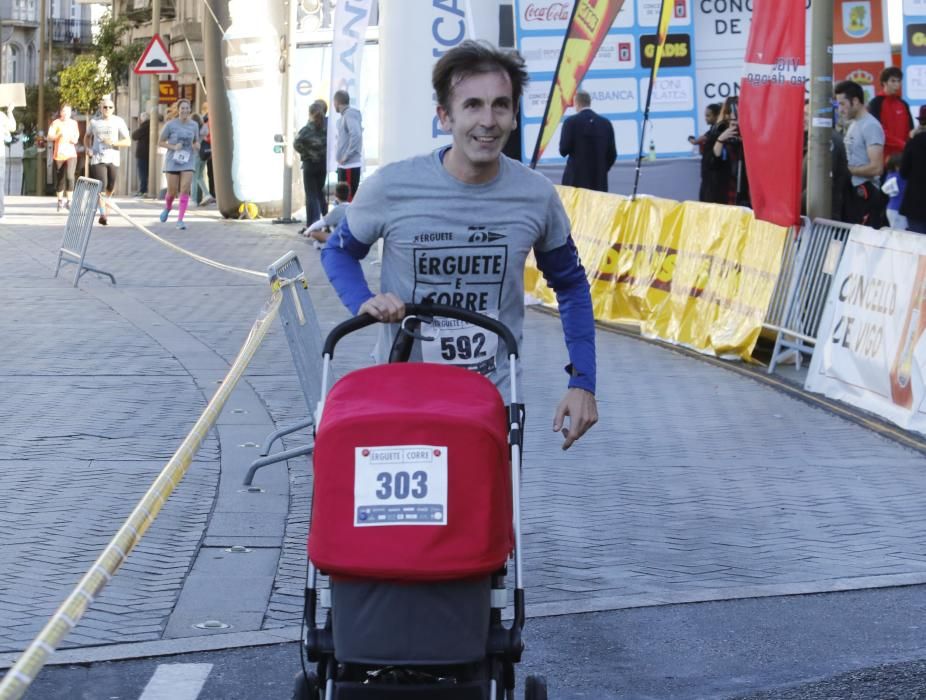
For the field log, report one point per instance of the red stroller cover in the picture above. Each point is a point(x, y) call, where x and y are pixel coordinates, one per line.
point(412, 476)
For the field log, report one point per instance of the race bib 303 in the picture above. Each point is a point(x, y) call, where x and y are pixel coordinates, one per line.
point(400, 485)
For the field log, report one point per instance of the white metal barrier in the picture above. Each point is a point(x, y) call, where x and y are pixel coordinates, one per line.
point(819, 248)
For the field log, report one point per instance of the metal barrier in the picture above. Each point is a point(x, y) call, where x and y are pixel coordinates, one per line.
point(78, 227)
point(776, 305)
point(819, 250)
point(304, 337)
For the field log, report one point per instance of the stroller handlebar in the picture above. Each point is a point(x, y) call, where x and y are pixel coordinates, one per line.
point(356, 323)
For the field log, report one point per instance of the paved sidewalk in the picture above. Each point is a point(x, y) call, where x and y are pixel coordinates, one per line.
point(698, 483)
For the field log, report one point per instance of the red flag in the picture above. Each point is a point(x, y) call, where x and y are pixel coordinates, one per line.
point(771, 109)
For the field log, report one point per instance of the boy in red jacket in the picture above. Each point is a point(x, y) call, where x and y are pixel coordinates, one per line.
point(892, 111)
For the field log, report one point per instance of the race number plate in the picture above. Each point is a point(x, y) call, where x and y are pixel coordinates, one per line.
point(181, 156)
point(461, 344)
point(400, 485)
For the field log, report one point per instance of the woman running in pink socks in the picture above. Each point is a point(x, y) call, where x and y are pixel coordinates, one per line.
point(181, 139)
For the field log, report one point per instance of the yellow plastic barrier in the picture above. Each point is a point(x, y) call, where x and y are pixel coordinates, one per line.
point(20, 676)
point(693, 274)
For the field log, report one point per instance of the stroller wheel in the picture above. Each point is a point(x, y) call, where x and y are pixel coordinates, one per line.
point(306, 686)
point(535, 688)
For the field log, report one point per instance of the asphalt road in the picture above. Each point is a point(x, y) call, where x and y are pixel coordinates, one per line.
point(856, 645)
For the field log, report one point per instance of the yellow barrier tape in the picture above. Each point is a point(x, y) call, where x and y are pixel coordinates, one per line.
point(173, 246)
point(27, 666)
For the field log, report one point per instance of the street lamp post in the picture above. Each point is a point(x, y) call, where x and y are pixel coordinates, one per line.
point(40, 108)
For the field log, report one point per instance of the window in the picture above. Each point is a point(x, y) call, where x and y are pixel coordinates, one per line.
point(14, 64)
point(31, 74)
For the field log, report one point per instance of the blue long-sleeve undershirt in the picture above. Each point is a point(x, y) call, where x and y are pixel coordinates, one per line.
point(561, 269)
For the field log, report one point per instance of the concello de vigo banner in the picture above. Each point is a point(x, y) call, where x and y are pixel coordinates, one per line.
point(693, 274)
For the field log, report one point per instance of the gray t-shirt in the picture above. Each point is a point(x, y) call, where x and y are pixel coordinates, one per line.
point(176, 131)
point(111, 129)
point(863, 132)
point(460, 244)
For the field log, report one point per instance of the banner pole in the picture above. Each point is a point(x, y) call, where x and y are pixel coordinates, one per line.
point(660, 42)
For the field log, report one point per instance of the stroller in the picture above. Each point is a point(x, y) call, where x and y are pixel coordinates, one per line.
point(415, 513)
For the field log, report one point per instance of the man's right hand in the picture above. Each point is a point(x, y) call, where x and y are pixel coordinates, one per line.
point(387, 308)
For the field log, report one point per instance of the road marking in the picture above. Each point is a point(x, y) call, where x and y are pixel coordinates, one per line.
point(176, 682)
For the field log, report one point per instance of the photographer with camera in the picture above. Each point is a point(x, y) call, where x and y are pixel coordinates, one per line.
point(726, 169)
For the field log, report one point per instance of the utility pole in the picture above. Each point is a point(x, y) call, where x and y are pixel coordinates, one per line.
point(41, 158)
point(154, 95)
point(286, 65)
point(820, 129)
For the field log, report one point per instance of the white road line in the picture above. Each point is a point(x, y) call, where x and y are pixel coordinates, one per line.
point(176, 682)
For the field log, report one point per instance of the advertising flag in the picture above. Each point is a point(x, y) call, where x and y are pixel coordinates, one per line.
point(588, 26)
point(771, 109)
point(350, 30)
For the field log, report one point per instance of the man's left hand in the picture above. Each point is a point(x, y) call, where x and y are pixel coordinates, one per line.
point(582, 410)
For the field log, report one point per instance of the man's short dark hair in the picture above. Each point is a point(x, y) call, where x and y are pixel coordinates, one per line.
point(851, 89)
point(473, 58)
point(714, 108)
point(342, 191)
point(341, 97)
point(890, 72)
point(583, 98)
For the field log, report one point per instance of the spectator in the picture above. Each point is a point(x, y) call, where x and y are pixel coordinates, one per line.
point(312, 146)
point(865, 153)
point(142, 138)
point(349, 152)
point(839, 171)
point(921, 122)
point(199, 190)
point(587, 143)
point(705, 143)
point(65, 134)
point(913, 170)
point(728, 182)
point(894, 186)
point(7, 127)
point(205, 153)
point(320, 230)
point(892, 111)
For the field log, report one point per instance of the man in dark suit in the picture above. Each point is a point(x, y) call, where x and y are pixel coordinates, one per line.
point(587, 142)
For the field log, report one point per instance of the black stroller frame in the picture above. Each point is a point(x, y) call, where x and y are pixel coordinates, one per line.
point(492, 677)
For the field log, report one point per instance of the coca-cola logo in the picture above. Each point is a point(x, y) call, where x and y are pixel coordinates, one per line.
point(553, 12)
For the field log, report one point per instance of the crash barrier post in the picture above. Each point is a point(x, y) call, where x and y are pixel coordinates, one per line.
point(78, 227)
point(18, 679)
point(776, 307)
point(304, 337)
point(819, 250)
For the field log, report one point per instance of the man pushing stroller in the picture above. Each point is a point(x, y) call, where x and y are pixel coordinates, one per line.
point(458, 225)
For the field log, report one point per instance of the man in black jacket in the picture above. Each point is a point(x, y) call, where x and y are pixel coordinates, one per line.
point(587, 142)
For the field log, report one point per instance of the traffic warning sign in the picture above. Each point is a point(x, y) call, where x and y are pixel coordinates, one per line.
point(156, 59)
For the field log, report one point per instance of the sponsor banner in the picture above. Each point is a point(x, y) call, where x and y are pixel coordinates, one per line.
point(773, 93)
point(350, 30)
point(865, 73)
point(693, 274)
point(870, 350)
point(590, 22)
point(619, 74)
point(410, 43)
point(913, 54)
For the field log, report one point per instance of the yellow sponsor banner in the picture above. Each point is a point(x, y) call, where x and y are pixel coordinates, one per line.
point(694, 274)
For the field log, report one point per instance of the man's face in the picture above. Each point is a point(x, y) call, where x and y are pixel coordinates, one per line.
point(106, 108)
point(340, 106)
point(481, 117)
point(65, 112)
point(710, 117)
point(892, 86)
point(848, 108)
